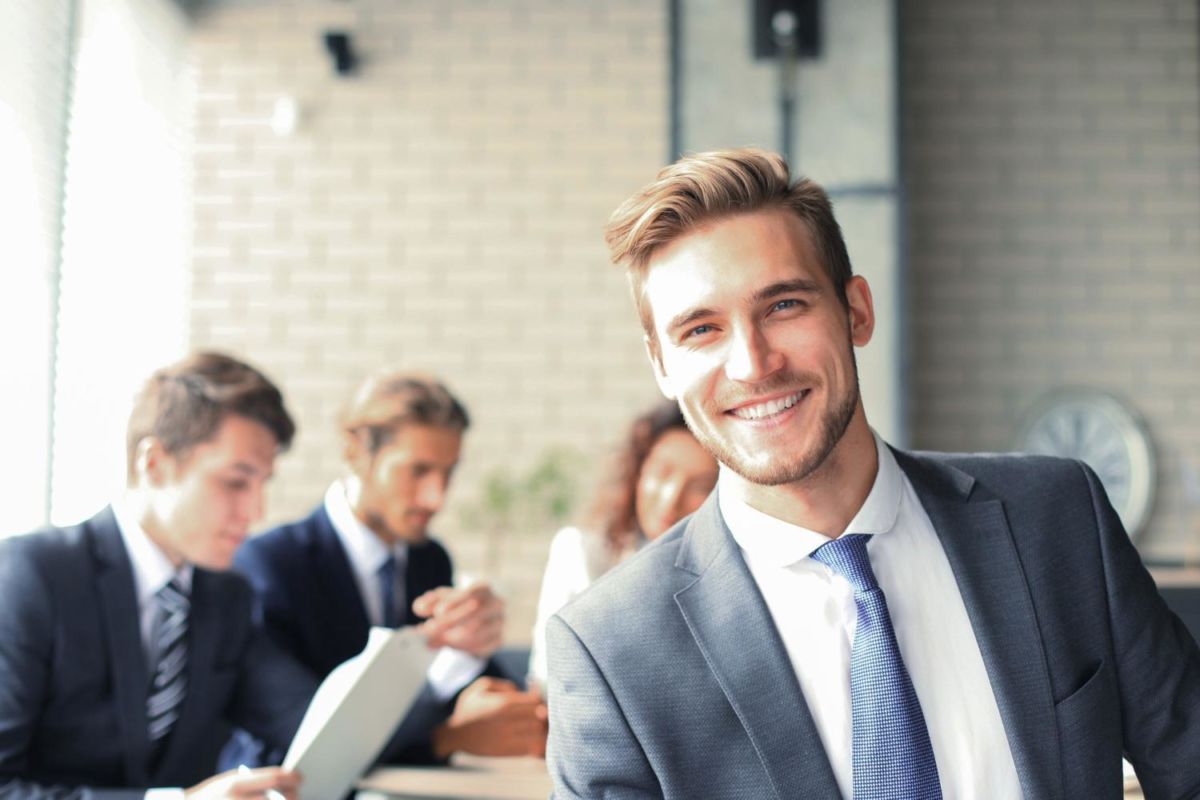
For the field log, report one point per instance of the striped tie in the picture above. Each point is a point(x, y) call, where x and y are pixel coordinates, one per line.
point(893, 757)
point(169, 685)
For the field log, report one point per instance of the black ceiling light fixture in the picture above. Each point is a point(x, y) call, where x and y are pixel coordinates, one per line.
point(341, 49)
point(787, 31)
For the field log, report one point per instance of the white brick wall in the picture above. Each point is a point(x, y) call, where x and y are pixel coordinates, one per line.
point(443, 209)
point(1053, 172)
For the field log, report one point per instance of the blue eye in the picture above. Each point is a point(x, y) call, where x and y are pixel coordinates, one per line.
point(784, 304)
point(699, 330)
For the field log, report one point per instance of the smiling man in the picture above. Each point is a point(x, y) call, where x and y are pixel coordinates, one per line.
point(842, 618)
point(126, 648)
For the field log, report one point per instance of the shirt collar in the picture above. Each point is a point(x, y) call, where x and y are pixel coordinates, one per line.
point(773, 541)
point(364, 549)
point(152, 570)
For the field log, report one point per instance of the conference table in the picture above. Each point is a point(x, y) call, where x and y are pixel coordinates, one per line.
point(478, 778)
point(467, 778)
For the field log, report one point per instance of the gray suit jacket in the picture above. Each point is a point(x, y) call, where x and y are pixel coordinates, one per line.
point(669, 679)
point(74, 679)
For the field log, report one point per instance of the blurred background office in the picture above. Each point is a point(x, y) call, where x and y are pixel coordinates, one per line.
point(323, 186)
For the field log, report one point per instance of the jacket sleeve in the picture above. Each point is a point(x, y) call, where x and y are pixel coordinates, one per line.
point(273, 610)
point(273, 693)
point(1158, 666)
point(592, 751)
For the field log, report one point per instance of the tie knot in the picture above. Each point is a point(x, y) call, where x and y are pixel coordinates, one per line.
point(387, 570)
point(847, 556)
point(173, 597)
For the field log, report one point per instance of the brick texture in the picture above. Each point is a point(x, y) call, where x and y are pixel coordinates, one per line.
point(1053, 172)
point(443, 209)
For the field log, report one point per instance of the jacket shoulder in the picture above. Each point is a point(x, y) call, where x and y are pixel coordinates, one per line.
point(635, 591)
point(47, 549)
point(1005, 474)
point(281, 544)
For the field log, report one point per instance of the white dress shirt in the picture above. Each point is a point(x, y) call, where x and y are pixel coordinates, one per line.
point(577, 558)
point(814, 611)
point(451, 669)
point(152, 570)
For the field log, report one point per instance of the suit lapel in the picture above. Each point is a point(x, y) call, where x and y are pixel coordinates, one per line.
point(126, 652)
point(346, 615)
point(729, 620)
point(975, 536)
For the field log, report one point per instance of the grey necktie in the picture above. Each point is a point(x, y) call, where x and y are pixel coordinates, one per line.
point(168, 686)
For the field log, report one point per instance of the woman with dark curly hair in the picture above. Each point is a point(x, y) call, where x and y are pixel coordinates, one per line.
point(661, 474)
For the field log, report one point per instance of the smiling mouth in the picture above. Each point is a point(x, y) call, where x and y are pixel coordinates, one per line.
point(769, 408)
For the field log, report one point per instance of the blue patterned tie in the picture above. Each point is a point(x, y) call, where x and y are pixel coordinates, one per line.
point(387, 591)
point(893, 758)
point(169, 684)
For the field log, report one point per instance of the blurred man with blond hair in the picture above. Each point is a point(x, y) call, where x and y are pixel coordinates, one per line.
point(364, 557)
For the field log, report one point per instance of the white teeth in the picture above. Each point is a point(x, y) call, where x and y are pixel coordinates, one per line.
point(769, 408)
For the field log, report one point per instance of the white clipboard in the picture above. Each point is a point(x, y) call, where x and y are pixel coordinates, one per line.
point(355, 711)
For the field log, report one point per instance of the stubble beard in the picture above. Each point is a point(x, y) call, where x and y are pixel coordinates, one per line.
point(413, 534)
point(799, 466)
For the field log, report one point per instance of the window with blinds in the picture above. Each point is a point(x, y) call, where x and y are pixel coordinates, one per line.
point(122, 295)
point(35, 38)
point(95, 103)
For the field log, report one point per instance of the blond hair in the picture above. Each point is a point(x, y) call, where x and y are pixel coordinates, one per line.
point(704, 187)
point(391, 398)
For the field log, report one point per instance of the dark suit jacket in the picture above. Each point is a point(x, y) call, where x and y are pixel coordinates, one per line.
point(311, 607)
point(669, 679)
point(74, 679)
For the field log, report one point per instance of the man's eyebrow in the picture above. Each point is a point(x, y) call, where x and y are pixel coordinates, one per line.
point(797, 286)
point(250, 470)
point(686, 318)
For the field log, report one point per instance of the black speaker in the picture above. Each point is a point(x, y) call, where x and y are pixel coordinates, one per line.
point(341, 49)
point(806, 16)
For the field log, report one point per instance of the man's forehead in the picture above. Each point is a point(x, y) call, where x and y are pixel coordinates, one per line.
point(735, 256)
point(420, 440)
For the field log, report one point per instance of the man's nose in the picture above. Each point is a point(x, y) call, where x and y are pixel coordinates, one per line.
point(750, 357)
point(254, 505)
point(432, 493)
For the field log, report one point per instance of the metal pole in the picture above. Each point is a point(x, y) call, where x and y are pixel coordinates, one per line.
point(784, 26)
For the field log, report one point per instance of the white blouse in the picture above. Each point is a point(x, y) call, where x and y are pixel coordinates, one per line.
point(577, 558)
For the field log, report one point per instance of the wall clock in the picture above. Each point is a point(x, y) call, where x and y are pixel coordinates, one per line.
point(1102, 432)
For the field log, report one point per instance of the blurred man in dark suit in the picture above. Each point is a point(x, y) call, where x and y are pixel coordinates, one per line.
point(125, 645)
point(364, 557)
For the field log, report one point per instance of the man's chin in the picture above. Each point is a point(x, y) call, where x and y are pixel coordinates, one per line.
point(409, 534)
point(214, 562)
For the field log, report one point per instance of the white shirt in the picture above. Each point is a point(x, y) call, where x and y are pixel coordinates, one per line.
point(152, 570)
point(813, 610)
point(577, 558)
point(451, 669)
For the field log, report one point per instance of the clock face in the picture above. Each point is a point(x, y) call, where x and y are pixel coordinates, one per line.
point(1099, 431)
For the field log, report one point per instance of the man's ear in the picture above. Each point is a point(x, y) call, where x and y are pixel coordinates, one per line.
point(862, 310)
point(654, 353)
point(355, 451)
point(153, 465)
